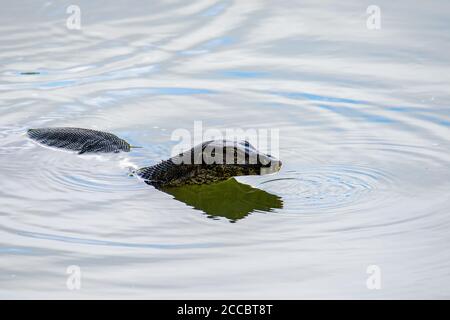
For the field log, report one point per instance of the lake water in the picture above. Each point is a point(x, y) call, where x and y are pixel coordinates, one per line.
point(364, 120)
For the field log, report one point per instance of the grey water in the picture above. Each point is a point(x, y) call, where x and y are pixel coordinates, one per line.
point(364, 127)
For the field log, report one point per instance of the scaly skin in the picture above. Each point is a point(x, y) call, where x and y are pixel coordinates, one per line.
point(209, 162)
point(173, 173)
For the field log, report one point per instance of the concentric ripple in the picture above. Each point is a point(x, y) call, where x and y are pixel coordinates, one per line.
point(329, 188)
point(99, 177)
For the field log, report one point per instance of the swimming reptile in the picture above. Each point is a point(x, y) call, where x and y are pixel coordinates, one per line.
point(206, 163)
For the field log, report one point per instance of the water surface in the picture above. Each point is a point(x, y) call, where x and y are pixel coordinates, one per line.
point(364, 123)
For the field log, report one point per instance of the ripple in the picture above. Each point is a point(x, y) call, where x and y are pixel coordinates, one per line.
point(96, 242)
point(329, 188)
point(101, 176)
point(83, 181)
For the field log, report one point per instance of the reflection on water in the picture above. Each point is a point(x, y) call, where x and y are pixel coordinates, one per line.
point(229, 199)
